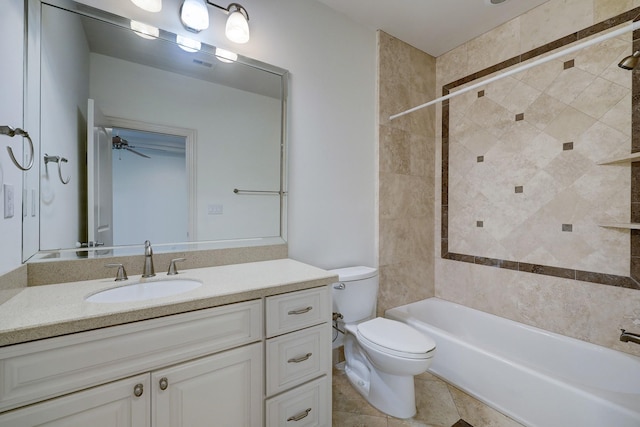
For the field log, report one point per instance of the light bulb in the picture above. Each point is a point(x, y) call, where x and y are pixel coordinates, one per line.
point(149, 5)
point(237, 29)
point(144, 30)
point(187, 44)
point(194, 15)
point(224, 55)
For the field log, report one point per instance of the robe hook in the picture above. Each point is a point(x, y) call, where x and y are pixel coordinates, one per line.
point(59, 160)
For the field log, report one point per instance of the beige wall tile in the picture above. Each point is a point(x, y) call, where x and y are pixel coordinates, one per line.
point(596, 59)
point(452, 66)
point(543, 75)
point(407, 173)
point(600, 97)
point(569, 124)
point(569, 84)
point(587, 311)
point(553, 20)
point(618, 117)
point(494, 46)
point(605, 9)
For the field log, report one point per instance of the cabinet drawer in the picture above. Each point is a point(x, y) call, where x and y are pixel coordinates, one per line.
point(43, 369)
point(297, 310)
point(306, 406)
point(298, 357)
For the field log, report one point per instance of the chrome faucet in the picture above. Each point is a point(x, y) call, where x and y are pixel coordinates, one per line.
point(628, 336)
point(148, 270)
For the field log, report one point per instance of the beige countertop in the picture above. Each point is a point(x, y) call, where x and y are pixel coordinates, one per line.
point(51, 310)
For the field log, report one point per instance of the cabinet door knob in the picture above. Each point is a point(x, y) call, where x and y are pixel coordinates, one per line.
point(164, 383)
point(300, 416)
point(301, 311)
point(138, 390)
point(299, 359)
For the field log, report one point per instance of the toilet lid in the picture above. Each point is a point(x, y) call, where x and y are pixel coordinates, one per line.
point(395, 336)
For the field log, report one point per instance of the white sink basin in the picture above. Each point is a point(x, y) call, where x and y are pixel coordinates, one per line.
point(142, 291)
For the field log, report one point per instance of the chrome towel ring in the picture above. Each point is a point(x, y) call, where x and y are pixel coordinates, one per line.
point(59, 160)
point(9, 131)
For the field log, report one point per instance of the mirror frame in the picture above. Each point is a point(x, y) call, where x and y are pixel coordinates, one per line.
point(31, 227)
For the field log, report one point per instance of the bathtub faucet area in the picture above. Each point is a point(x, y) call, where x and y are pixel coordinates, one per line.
point(628, 336)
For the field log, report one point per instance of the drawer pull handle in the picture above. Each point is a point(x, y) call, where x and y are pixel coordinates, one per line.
point(164, 383)
point(300, 359)
point(301, 311)
point(138, 390)
point(300, 416)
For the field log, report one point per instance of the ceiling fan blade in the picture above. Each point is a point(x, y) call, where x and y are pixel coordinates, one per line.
point(136, 152)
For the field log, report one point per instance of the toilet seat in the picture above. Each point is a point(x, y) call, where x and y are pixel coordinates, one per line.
point(395, 338)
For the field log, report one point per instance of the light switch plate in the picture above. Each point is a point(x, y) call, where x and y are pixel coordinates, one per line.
point(9, 200)
point(215, 209)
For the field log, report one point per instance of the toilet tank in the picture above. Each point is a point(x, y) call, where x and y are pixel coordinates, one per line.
point(356, 293)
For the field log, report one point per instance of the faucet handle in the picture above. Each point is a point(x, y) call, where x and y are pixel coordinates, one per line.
point(172, 266)
point(121, 274)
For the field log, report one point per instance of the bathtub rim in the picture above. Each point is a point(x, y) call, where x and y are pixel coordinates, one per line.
point(621, 401)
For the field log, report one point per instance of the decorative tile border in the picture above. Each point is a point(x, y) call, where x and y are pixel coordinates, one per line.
point(633, 281)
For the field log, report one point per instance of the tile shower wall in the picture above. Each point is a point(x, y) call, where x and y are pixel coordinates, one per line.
point(587, 311)
point(406, 77)
point(524, 183)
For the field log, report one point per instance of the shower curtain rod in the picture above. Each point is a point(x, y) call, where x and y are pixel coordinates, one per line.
point(631, 27)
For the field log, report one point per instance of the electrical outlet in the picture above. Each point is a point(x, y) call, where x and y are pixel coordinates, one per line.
point(9, 200)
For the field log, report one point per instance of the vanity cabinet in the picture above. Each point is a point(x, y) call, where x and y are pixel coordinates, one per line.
point(298, 358)
point(264, 362)
point(221, 387)
point(200, 365)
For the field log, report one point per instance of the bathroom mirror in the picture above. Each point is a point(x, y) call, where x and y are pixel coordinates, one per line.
point(145, 135)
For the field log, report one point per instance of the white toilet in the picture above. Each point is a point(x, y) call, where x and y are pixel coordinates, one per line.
point(382, 355)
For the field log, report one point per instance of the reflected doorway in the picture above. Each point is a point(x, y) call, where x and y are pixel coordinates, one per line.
point(150, 176)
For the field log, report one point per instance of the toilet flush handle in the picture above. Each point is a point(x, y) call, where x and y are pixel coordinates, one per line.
point(340, 286)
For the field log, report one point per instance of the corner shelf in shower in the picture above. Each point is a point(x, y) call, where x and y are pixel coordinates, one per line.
point(629, 158)
point(625, 225)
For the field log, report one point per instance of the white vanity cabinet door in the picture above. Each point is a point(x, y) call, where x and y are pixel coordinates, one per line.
point(224, 390)
point(110, 405)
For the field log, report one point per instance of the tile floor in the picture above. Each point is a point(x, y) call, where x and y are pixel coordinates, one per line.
point(439, 405)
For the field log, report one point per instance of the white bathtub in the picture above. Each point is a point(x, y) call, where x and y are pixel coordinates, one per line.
point(536, 377)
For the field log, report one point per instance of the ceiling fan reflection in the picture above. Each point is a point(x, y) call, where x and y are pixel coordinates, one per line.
point(119, 143)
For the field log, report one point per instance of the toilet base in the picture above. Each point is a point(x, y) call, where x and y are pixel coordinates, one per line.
point(392, 394)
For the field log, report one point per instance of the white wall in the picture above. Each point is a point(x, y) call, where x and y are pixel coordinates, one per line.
point(142, 186)
point(11, 103)
point(65, 89)
point(331, 128)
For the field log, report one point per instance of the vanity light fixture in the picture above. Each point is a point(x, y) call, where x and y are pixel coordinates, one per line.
point(149, 5)
point(195, 17)
point(226, 56)
point(144, 30)
point(187, 44)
